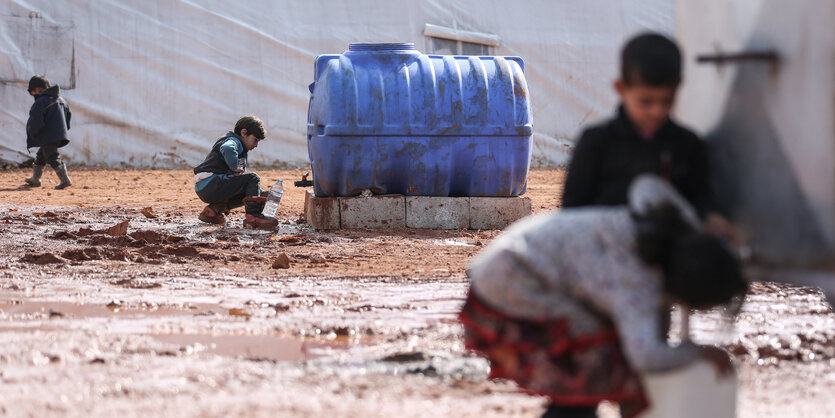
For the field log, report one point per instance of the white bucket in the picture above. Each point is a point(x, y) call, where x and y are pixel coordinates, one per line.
point(691, 392)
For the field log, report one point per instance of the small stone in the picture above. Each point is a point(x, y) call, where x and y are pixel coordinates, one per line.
point(317, 259)
point(281, 262)
point(118, 229)
point(41, 259)
point(239, 312)
point(149, 213)
point(406, 357)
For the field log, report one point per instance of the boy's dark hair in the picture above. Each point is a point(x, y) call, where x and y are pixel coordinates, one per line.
point(698, 269)
point(38, 81)
point(253, 125)
point(651, 59)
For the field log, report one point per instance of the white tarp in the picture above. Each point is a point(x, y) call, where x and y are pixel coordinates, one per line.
point(771, 124)
point(152, 83)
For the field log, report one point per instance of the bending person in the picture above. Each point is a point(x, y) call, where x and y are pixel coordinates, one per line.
point(566, 304)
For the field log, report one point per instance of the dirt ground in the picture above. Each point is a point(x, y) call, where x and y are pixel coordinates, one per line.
point(108, 311)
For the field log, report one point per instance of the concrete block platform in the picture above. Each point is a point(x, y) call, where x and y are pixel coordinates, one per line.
point(420, 212)
point(427, 212)
point(321, 212)
point(386, 211)
point(497, 212)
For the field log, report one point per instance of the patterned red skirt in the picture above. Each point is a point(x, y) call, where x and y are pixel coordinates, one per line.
point(543, 358)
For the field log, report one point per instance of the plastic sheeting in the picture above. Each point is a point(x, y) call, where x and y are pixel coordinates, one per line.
point(153, 82)
point(770, 128)
point(769, 124)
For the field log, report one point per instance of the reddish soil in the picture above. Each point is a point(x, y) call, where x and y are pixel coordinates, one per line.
point(170, 196)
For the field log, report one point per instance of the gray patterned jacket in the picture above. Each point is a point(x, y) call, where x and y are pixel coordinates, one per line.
point(581, 264)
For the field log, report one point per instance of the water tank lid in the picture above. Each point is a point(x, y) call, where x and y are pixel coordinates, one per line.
point(382, 47)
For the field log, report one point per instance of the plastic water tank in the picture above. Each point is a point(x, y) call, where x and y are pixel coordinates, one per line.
point(388, 118)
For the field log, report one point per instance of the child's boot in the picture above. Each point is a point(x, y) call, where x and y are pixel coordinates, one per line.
point(254, 218)
point(214, 213)
point(61, 171)
point(35, 180)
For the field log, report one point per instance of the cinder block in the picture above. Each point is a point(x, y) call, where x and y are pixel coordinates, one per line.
point(497, 212)
point(387, 211)
point(321, 212)
point(428, 212)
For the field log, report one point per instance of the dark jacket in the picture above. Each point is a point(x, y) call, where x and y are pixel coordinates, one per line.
point(610, 155)
point(214, 162)
point(49, 120)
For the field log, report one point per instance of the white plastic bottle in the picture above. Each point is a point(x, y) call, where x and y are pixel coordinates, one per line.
point(273, 198)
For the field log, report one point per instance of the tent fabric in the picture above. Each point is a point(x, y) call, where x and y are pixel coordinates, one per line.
point(152, 82)
point(769, 124)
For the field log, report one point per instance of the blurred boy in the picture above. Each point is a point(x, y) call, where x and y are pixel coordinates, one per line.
point(46, 129)
point(221, 179)
point(642, 138)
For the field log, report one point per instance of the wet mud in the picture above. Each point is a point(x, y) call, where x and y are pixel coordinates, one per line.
point(124, 303)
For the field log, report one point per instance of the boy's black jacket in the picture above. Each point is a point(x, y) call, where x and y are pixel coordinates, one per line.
point(610, 155)
point(214, 162)
point(49, 120)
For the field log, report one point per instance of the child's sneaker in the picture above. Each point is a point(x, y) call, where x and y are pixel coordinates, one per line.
point(213, 214)
point(254, 219)
point(260, 222)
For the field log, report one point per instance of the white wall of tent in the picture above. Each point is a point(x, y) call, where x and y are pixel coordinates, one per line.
point(153, 82)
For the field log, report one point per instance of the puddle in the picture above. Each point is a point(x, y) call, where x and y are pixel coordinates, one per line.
point(452, 242)
point(57, 310)
point(27, 330)
point(777, 323)
point(252, 347)
point(289, 229)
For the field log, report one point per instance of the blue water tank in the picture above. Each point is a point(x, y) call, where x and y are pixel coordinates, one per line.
point(390, 119)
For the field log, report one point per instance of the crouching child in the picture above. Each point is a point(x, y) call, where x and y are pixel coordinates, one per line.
point(569, 304)
point(222, 181)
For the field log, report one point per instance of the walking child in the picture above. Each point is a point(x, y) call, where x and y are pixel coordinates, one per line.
point(222, 181)
point(46, 129)
point(566, 303)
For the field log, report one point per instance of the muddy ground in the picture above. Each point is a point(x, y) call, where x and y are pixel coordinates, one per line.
point(106, 311)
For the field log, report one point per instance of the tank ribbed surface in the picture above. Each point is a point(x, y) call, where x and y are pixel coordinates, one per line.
point(388, 118)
